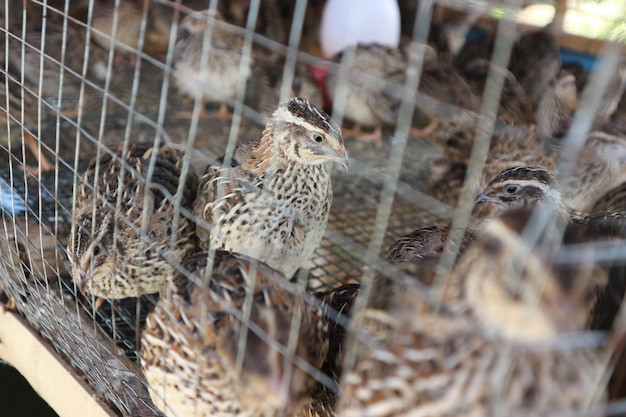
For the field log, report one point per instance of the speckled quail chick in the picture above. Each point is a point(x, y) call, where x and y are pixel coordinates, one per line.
point(124, 249)
point(20, 127)
point(492, 339)
point(272, 203)
point(208, 58)
point(221, 341)
point(62, 66)
point(370, 76)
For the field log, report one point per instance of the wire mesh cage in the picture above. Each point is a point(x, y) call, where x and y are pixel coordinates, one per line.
point(113, 110)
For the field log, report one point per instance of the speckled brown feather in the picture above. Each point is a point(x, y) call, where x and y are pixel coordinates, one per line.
point(416, 359)
point(615, 199)
point(272, 203)
point(123, 259)
point(190, 344)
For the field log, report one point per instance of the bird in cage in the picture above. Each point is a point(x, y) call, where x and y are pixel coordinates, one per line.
point(560, 101)
point(556, 107)
point(272, 201)
point(515, 107)
point(441, 81)
point(209, 60)
point(126, 19)
point(60, 79)
point(600, 166)
point(504, 333)
point(222, 341)
point(20, 116)
point(527, 187)
point(521, 187)
point(129, 225)
point(535, 61)
point(367, 80)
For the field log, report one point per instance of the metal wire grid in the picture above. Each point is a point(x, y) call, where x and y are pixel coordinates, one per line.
point(377, 202)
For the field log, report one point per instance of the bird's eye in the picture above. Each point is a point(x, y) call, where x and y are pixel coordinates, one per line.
point(511, 189)
point(317, 138)
point(97, 250)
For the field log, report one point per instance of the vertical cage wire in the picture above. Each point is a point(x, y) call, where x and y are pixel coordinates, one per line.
point(75, 83)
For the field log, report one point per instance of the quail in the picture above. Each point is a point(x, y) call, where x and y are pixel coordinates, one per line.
point(213, 68)
point(21, 118)
point(127, 20)
point(556, 107)
point(599, 167)
point(118, 251)
point(272, 203)
point(492, 341)
point(535, 61)
point(219, 342)
point(371, 75)
point(62, 67)
point(613, 93)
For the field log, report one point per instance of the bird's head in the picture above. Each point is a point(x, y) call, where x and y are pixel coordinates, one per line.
point(306, 134)
point(90, 251)
point(564, 89)
point(198, 22)
point(519, 187)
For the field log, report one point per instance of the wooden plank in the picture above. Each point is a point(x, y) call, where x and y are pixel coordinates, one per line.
point(46, 372)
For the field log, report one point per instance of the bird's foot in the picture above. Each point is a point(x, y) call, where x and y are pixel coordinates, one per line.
point(356, 132)
point(424, 131)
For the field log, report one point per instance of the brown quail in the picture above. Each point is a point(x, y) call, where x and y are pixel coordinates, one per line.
point(213, 69)
point(221, 342)
point(118, 251)
point(272, 203)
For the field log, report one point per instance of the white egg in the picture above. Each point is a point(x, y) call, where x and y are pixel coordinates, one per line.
point(350, 22)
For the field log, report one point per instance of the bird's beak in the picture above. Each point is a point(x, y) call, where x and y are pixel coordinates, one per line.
point(482, 198)
point(80, 278)
point(340, 156)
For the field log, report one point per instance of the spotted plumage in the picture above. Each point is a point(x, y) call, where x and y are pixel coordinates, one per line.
point(272, 203)
point(492, 342)
point(614, 199)
point(599, 167)
point(125, 250)
point(201, 360)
